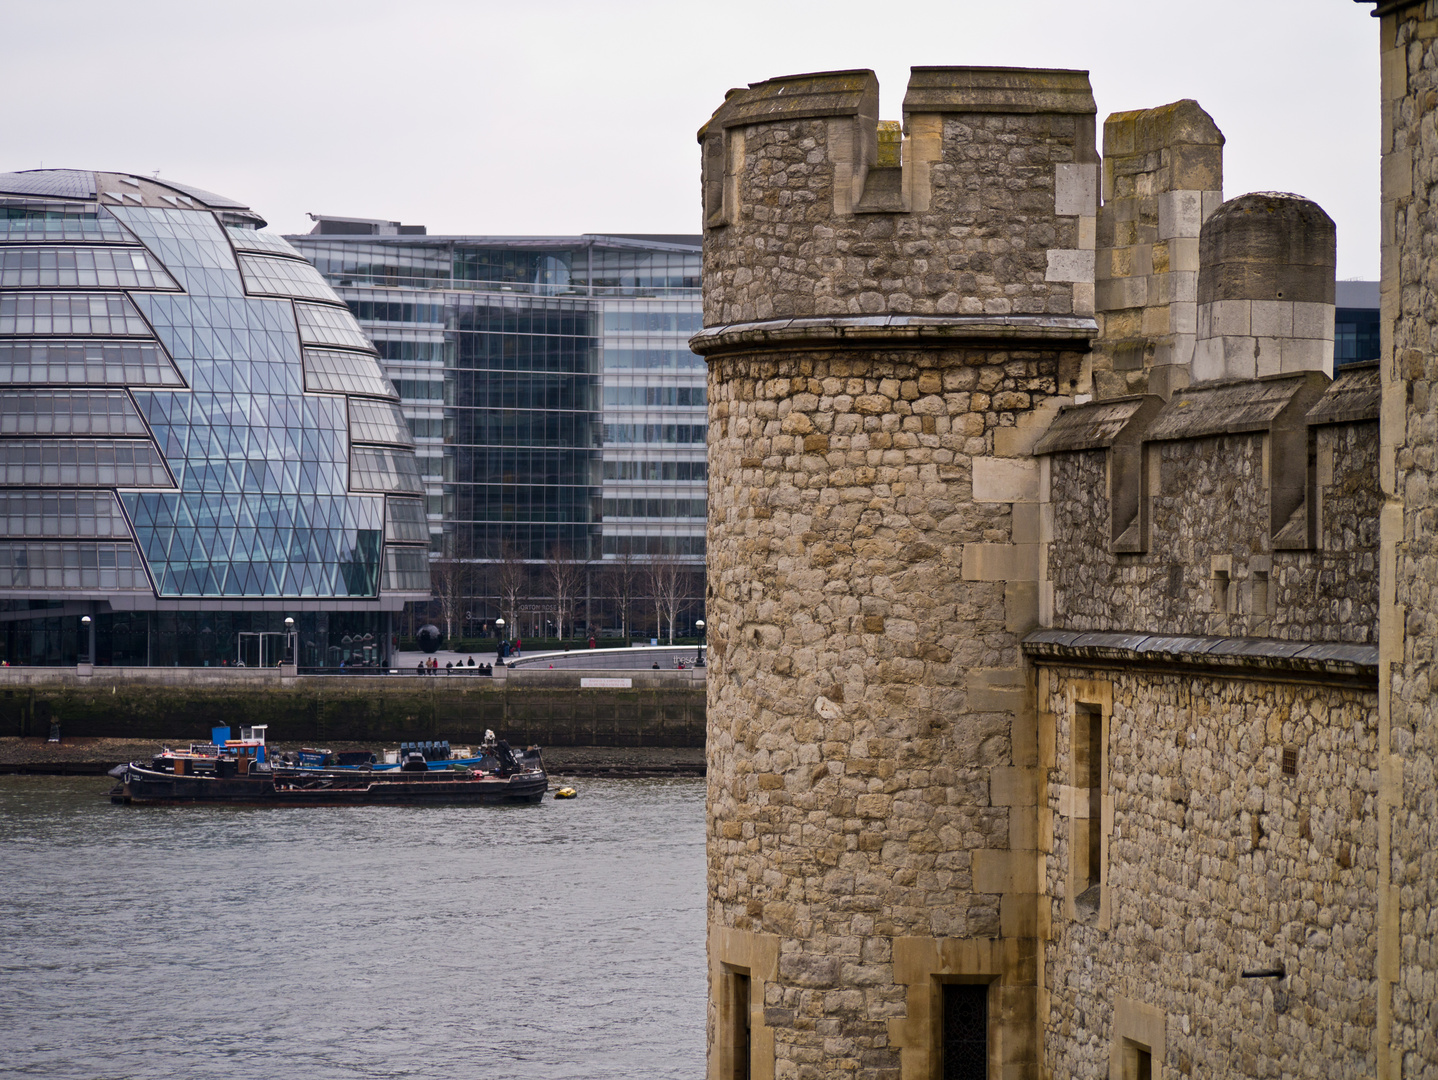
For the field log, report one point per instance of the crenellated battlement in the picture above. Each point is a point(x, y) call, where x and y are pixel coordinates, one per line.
point(987, 210)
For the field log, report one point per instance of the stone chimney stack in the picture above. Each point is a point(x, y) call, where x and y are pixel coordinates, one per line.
point(1265, 289)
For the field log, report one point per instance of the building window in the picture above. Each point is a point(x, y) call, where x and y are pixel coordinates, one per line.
point(1088, 781)
point(735, 1048)
point(1137, 1061)
point(965, 1031)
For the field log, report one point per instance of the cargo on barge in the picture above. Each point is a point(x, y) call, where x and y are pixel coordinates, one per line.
point(240, 772)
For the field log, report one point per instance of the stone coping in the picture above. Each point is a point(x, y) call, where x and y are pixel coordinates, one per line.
point(882, 331)
point(1234, 407)
point(1354, 396)
point(1096, 425)
point(1320, 660)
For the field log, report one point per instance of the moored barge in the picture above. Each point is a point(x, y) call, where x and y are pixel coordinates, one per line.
point(239, 772)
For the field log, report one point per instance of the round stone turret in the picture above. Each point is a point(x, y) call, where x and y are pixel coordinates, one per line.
point(886, 343)
point(1265, 288)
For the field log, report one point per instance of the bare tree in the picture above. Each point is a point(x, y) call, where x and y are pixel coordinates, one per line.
point(669, 586)
point(623, 581)
point(511, 584)
point(565, 576)
point(452, 583)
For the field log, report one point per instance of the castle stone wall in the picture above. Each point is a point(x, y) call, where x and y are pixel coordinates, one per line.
point(1265, 288)
point(1211, 567)
point(1408, 732)
point(1216, 863)
point(1117, 704)
point(865, 679)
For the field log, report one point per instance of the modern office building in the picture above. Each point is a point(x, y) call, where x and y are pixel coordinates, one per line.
point(201, 461)
point(547, 381)
point(1355, 323)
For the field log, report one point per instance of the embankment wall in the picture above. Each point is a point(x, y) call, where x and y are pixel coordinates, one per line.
point(551, 712)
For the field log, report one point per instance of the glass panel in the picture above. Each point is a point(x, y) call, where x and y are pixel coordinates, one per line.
point(77, 565)
point(374, 468)
point(615, 434)
point(406, 569)
point(69, 412)
point(59, 222)
point(284, 277)
point(329, 326)
point(379, 422)
point(406, 521)
point(190, 243)
point(264, 242)
point(71, 266)
point(422, 390)
point(342, 372)
point(93, 363)
point(652, 360)
point(260, 544)
point(110, 314)
point(104, 462)
point(51, 514)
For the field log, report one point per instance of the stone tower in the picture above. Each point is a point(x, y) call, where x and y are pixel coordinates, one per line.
point(1265, 288)
point(887, 335)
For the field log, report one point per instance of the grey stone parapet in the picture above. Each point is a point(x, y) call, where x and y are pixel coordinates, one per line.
point(1323, 660)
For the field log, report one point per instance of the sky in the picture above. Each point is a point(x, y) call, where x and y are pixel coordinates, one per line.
point(560, 117)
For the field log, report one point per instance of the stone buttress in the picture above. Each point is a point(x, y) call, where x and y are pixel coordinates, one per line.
point(888, 334)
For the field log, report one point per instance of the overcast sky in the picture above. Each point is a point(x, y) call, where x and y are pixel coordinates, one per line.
point(554, 116)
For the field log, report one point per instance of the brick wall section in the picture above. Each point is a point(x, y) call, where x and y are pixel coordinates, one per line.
point(1210, 502)
point(1216, 863)
point(1408, 836)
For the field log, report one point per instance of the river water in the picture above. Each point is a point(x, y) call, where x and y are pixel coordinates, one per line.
point(559, 940)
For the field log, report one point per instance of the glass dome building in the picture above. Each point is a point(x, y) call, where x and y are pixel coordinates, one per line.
point(197, 441)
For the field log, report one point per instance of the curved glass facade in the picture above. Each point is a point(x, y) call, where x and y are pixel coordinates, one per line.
point(222, 422)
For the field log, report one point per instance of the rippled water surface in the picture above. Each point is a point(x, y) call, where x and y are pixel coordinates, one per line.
point(564, 939)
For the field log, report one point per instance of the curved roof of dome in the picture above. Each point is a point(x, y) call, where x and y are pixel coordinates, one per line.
point(80, 184)
point(56, 183)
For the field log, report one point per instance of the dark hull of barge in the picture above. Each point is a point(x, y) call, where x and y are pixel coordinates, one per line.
point(146, 787)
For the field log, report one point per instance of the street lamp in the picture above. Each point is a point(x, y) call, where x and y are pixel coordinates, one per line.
point(89, 626)
point(699, 649)
point(499, 642)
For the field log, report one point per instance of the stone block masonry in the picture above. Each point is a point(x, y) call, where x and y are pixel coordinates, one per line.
point(1162, 178)
point(884, 350)
point(1071, 702)
point(1218, 860)
point(1407, 813)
